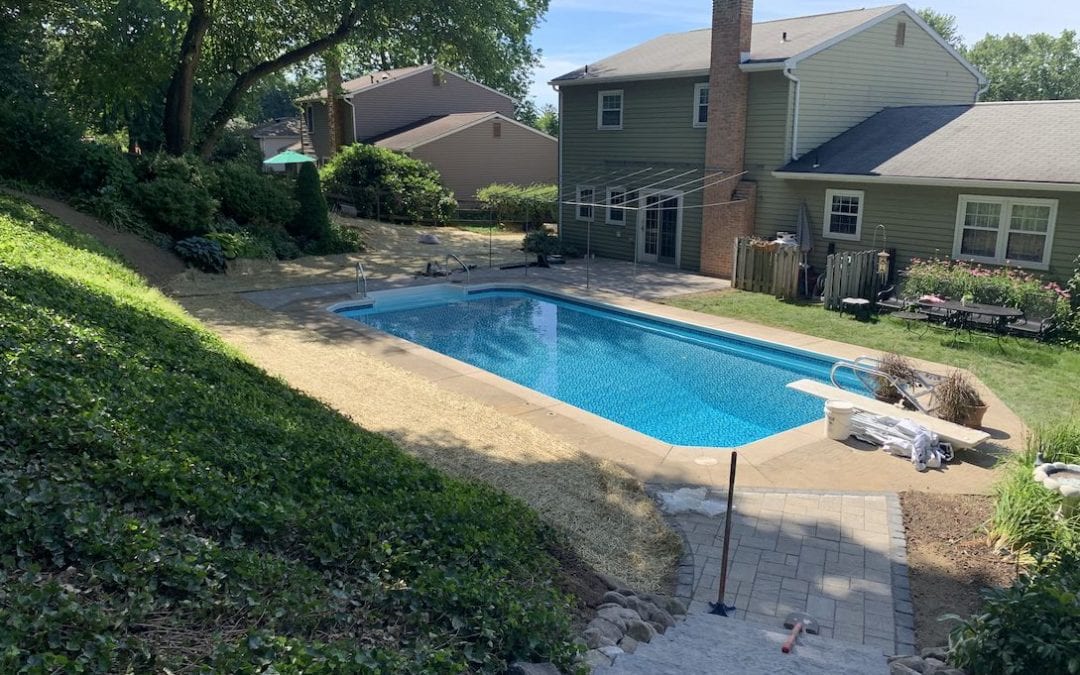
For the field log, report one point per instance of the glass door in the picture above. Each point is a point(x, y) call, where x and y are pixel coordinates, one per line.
point(660, 228)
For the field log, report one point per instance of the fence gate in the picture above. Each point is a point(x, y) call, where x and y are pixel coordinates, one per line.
point(851, 275)
point(766, 267)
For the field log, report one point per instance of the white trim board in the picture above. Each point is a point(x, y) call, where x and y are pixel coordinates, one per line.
point(929, 181)
point(486, 118)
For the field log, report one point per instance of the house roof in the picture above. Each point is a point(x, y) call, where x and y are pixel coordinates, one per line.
point(280, 127)
point(1015, 142)
point(349, 88)
point(430, 129)
point(771, 43)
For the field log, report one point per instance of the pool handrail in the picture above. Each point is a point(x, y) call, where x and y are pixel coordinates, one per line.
point(865, 365)
point(446, 264)
point(361, 278)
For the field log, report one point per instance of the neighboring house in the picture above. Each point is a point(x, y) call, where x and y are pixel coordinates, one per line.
point(471, 150)
point(277, 135)
point(672, 149)
point(463, 128)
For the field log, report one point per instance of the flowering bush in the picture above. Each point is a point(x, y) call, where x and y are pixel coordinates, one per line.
point(1007, 286)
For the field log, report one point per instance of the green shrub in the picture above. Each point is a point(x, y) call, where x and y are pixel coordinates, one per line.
point(991, 285)
point(173, 195)
point(340, 239)
point(39, 143)
point(168, 506)
point(103, 167)
point(202, 253)
point(1024, 511)
point(312, 219)
point(385, 184)
point(246, 195)
point(244, 244)
point(543, 242)
point(529, 204)
point(237, 145)
point(1032, 627)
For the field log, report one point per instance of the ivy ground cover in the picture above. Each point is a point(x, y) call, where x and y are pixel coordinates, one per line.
point(165, 505)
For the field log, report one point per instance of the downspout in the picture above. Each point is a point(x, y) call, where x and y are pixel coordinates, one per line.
point(789, 73)
point(352, 116)
point(559, 187)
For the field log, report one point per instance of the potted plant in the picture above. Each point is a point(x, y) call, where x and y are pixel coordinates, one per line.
point(900, 371)
point(958, 401)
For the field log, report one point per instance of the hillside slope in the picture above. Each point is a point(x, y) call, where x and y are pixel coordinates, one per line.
point(165, 504)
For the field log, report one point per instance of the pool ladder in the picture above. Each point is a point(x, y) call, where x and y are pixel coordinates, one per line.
point(361, 280)
point(446, 265)
point(868, 371)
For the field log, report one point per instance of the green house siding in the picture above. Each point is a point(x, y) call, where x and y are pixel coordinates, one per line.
point(767, 139)
point(850, 81)
point(657, 134)
point(920, 222)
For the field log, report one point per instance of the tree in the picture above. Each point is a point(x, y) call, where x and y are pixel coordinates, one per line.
point(1029, 67)
point(312, 221)
point(945, 25)
point(548, 120)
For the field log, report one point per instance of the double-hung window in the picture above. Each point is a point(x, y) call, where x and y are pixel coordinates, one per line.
point(701, 104)
point(616, 213)
point(585, 199)
point(843, 214)
point(1002, 230)
point(609, 109)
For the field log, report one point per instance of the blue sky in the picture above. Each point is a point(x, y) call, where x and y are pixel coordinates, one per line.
point(577, 32)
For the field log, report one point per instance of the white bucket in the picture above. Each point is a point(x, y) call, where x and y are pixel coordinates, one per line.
point(838, 419)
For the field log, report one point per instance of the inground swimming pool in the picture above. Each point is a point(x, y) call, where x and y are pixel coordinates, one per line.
point(679, 384)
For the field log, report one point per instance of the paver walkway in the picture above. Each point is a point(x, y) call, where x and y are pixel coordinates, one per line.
point(704, 643)
point(839, 557)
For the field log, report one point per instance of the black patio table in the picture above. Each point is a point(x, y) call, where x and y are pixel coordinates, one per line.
point(959, 315)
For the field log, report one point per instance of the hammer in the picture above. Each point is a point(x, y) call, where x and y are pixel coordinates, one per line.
point(798, 622)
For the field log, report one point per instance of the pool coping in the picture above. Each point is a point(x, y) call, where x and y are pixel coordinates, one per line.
point(645, 457)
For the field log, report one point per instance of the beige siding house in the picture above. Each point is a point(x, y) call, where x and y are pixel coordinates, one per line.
point(275, 136)
point(816, 92)
point(472, 150)
point(463, 128)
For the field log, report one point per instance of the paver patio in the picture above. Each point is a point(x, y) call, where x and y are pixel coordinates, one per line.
point(839, 557)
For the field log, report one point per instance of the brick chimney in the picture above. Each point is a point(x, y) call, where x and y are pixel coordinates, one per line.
point(725, 138)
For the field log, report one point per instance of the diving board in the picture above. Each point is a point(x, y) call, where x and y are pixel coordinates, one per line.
point(959, 435)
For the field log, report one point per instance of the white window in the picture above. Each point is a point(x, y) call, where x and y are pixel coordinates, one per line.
point(843, 214)
point(701, 104)
point(585, 199)
point(616, 213)
point(609, 108)
point(1005, 230)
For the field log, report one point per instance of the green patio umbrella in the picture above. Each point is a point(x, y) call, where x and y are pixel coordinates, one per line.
point(288, 157)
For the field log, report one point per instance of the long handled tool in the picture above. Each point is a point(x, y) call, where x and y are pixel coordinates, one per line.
point(719, 607)
point(798, 622)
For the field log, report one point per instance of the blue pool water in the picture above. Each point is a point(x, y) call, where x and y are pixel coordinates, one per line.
point(674, 383)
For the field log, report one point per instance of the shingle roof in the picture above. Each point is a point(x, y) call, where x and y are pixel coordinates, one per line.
point(689, 52)
point(281, 127)
point(428, 129)
point(1028, 141)
point(369, 80)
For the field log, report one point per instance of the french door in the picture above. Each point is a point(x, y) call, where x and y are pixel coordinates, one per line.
point(659, 223)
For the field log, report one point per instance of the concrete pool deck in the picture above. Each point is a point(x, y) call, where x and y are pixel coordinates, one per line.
point(798, 458)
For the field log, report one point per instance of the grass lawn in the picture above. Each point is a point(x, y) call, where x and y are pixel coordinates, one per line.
point(165, 506)
point(1040, 382)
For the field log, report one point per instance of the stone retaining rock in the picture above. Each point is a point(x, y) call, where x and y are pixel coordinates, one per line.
point(931, 661)
point(625, 619)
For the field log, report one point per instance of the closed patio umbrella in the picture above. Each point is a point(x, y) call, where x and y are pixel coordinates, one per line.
point(806, 242)
point(288, 157)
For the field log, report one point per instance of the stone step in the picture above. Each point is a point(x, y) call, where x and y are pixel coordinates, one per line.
point(705, 643)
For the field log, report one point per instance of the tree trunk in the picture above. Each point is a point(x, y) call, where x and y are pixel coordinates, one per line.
point(332, 61)
point(181, 93)
point(244, 81)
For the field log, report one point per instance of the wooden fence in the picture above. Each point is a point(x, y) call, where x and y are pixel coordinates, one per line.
point(766, 267)
point(851, 275)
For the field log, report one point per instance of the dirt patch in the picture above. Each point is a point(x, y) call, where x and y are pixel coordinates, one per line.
point(949, 560)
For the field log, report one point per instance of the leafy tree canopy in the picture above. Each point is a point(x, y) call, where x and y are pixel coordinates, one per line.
point(212, 60)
